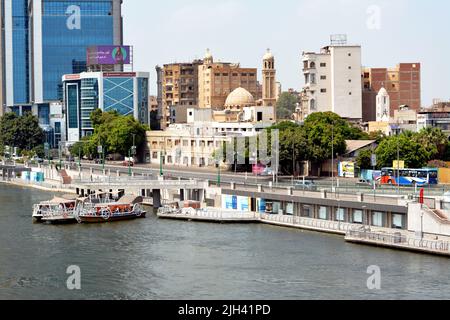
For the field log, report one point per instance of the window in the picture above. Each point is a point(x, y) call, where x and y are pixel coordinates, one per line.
point(323, 213)
point(349, 80)
point(307, 211)
point(323, 77)
point(323, 65)
point(290, 209)
point(349, 67)
point(377, 219)
point(155, 155)
point(340, 214)
point(397, 221)
point(349, 93)
point(323, 90)
point(312, 104)
point(349, 54)
point(357, 216)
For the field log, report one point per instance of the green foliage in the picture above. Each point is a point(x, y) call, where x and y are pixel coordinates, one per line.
point(378, 136)
point(413, 153)
point(364, 159)
point(286, 105)
point(325, 132)
point(21, 132)
point(112, 131)
point(433, 140)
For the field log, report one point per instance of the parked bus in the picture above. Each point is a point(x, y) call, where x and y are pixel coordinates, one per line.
point(409, 177)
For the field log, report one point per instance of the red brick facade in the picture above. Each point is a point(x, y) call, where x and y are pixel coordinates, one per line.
point(402, 83)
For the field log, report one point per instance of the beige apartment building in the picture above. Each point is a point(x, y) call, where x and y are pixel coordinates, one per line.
point(178, 86)
point(216, 80)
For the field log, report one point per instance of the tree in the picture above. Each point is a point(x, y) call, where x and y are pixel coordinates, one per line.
point(325, 132)
point(286, 105)
point(433, 140)
point(364, 159)
point(413, 153)
point(378, 136)
point(22, 132)
point(114, 132)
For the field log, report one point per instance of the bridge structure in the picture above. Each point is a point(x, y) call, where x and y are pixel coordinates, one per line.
point(145, 186)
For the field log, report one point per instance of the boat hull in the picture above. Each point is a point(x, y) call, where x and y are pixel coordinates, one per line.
point(59, 220)
point(98, 219)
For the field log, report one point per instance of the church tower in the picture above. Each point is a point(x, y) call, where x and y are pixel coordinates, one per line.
point(269, 95)
point(383, 106)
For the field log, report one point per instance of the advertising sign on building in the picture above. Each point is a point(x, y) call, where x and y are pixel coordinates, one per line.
point(109, 55)
point(398, 164)
point(347, 169)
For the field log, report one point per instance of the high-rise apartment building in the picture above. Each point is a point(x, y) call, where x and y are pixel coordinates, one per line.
point(179, 87)
point(333, 80)
point(218, 79)
point(402, 83)
point(45, 39)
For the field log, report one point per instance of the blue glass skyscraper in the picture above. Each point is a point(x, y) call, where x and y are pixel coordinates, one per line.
point(45, 39)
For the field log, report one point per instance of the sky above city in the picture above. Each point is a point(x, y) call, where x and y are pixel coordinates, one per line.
point(389, 31)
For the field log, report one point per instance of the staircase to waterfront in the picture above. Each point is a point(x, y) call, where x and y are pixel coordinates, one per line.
point(66, 179)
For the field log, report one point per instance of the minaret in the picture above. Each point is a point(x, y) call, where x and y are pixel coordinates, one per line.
point(269, 95)
point(383, 106)
point(208, 57)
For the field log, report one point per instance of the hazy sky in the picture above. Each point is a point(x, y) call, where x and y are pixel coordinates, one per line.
point(390, 31)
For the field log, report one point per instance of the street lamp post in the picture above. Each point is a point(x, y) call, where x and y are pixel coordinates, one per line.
point(131, 152)
point(398, 161)
point(332, 158)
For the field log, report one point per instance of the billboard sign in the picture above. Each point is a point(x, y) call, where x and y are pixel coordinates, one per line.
point(347, 169)
point(109, 55)
point(398, 164)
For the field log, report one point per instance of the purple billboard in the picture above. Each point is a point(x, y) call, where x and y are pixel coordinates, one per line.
point(110, 55)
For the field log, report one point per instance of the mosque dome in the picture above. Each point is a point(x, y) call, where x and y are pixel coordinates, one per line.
point(240, 98)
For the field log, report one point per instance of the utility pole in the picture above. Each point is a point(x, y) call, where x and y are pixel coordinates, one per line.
point(332, 157)
point(398, 158)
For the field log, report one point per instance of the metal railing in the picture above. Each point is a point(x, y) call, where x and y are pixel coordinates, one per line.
point(325, 225)
point(216, 214)
point(400, 239)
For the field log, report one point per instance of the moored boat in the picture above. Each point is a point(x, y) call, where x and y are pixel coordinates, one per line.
point(57, 210)
point(126, 208)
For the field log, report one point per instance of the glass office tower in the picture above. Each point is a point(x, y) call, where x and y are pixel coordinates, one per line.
point(66, 36)
point(124, 92)
point(46, 39)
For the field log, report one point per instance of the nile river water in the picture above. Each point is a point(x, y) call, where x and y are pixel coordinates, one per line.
point(160, 259)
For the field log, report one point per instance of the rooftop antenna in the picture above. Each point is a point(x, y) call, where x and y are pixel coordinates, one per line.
point(338, 39)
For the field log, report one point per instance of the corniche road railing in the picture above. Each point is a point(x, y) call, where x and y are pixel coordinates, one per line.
point(400, 240)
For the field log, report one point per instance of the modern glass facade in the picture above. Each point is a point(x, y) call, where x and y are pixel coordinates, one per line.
point(21, 51)
point(89, 101)
point(143, 103)
point(68, 28)
point(119, 95)
point(72, 105)
point(46, 39)
point(126, 93)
